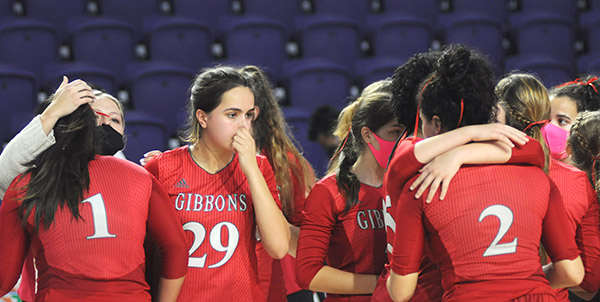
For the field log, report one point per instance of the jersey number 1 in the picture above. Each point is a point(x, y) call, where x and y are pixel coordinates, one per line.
point(505, 216)
point(99, 215)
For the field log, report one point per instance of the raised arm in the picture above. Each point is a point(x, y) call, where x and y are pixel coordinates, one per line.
point(38, 136)
point(272, 225)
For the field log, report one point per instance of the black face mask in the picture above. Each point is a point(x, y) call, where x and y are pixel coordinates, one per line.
point(111, 141)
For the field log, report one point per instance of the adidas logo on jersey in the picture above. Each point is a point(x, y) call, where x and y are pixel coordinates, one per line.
point(182, 184)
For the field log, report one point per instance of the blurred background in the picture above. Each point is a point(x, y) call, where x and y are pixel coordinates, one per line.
point(316, 52)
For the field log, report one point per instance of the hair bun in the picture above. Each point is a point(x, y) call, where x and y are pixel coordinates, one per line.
point(454, 64)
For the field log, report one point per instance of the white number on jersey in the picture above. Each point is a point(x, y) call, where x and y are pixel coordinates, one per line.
point(215, 242)
point(99, 215)
point(389, 220)
point(505, 216)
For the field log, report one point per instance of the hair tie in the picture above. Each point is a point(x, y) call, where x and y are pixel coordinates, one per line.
point(343, 143)
point(578, 81)
point(541, 123)
point(419, 106)
point(462, 108)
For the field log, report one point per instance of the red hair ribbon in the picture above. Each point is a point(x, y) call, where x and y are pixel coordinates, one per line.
point(462, 108)
point(343, 143)
point(578, 81)
point(542, 122)
point(419, 106)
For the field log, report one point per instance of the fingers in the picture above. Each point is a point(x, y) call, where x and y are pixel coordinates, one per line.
point(419, 180)
point(432, 189)
point(428, 180)
point(64, 83)
point(148, 156)
point(445, 186)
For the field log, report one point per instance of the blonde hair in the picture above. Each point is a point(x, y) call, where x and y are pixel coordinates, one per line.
point(273, 137)
point(584, 146)
point(525, 101)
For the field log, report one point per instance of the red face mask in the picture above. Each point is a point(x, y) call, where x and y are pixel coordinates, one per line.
point(385, 150)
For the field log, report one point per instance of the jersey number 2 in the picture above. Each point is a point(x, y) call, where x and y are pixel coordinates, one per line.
point(215, 242)
point(505, 216)
point(99, 215)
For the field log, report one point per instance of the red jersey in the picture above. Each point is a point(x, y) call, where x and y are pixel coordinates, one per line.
point(485, 234)
point(402, 167)
point(352, 241)
point(101, 256)
point(581, 204)
point(217, 212)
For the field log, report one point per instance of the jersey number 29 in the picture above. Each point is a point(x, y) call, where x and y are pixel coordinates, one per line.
point(215, 242)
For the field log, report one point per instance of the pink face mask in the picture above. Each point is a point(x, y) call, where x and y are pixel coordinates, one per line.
point(385, 150)
point(556, 138)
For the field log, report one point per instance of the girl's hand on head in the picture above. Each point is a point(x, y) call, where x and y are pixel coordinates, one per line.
point(440, 170)
point(244, 145)
point(68, 97)
point(498, 132)
point(148, 156)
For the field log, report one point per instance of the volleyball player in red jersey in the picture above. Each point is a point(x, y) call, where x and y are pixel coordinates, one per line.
point(222, 191)
point(294, 177)
point(343, 220)
point(405, 84)
point(480, 258)
point(526, 106)
point(583, 146)
point(84, 217)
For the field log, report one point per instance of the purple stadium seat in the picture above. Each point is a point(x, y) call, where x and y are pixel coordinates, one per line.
point(256, 41)
point(330, 37)
point(28, 44)
point(56, 12)
point(180, 41)
point(17, 97)
point(550, 70)
point(98, 76)
point(312, 83)
point(207, 11)
point(477, 31)
point(284, 11)
point(143, 133)
point(545, 35)
point(160, 90)
point(400, 36)
point(102, 42)
point(355, 10)
point(377, 68)
point(424, 9)
point(130, 11)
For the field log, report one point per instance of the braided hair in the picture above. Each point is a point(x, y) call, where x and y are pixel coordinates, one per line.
point(525, 100)
point(584, 146)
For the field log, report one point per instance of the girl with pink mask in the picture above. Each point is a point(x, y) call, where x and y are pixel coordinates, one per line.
point(343, 221)
point(567, 100)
